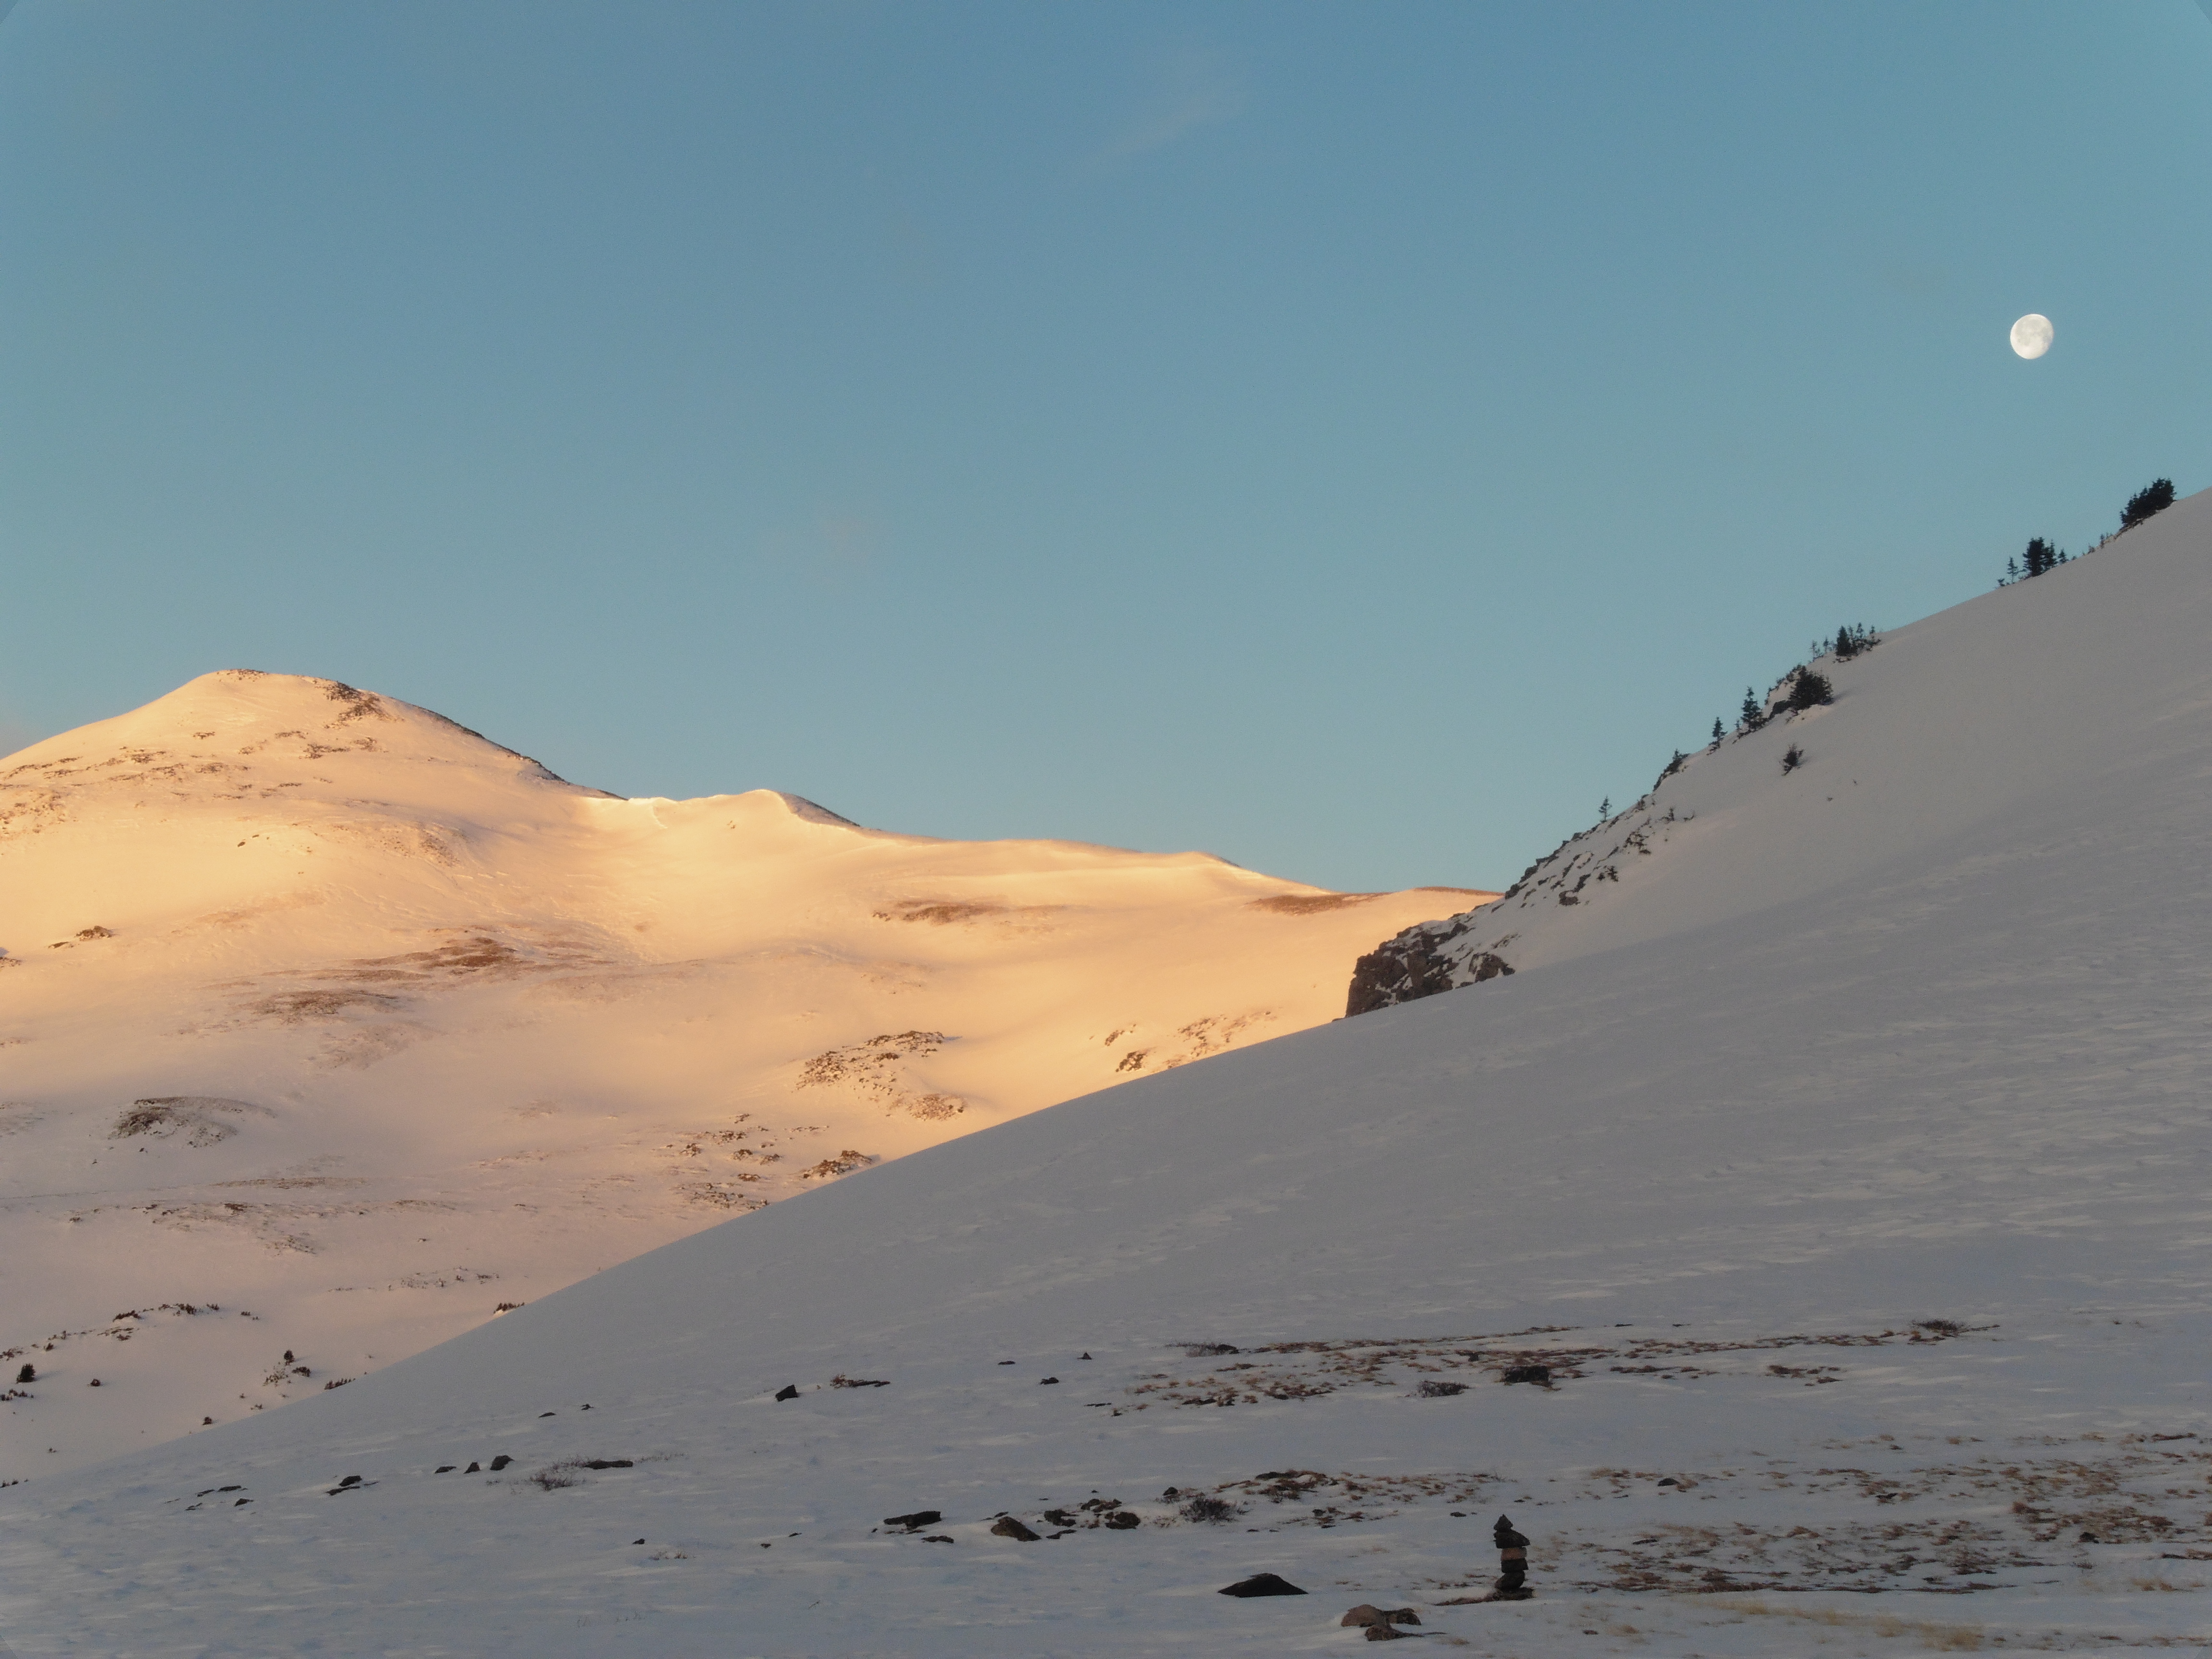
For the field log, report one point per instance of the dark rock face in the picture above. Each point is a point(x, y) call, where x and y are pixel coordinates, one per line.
point(1416, 965)
point(1262, 1584)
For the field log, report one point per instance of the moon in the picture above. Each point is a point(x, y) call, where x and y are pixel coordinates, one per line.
point(2031, 335)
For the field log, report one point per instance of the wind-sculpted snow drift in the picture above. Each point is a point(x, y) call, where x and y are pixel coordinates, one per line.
point(328, 1025)
point(1840, 1194)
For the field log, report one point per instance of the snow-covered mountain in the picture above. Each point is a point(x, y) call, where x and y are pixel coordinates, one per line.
point(1844, 1168)
point(328, 1027)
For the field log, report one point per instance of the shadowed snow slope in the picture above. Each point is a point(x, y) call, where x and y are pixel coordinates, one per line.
point(1862, 1228)
point(328, 1027)
point(1941, 731)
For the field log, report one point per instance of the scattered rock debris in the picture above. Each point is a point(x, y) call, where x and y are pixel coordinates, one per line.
point(873, 1068)
point(1368, 1613)
point(844, 1163)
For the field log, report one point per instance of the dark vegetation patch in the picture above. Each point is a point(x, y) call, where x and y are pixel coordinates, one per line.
point(198, 1118)
point(1312, 904)
point(472, 955)
point(298, 1007)
point(1435, 1366)
point(945, 913)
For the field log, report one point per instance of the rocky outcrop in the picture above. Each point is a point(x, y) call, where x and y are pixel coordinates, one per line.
point(1417, 964)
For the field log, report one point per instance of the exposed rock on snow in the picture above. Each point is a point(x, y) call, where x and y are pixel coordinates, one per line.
point(1262, 1584)
point(1368, 1613)
point(1417, 964)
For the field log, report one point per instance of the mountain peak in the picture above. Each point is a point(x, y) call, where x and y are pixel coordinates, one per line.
point(239, 722)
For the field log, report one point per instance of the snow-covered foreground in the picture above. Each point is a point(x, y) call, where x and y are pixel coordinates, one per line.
point(328, 1028)
point(1863, 1232)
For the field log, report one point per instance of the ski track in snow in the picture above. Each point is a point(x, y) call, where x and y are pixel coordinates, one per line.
point(1723, 1176)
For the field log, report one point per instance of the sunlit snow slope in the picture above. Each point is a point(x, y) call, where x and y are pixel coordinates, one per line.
point(327, 1026)
point(1861, 1224)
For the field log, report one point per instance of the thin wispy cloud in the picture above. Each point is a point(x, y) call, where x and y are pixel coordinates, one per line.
point(1193, 90)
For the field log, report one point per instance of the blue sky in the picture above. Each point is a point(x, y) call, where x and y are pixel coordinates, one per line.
point(1350, 439)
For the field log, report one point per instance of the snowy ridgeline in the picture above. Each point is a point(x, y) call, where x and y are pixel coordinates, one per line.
point(1841, 1167)
point(1469, 949)
point(1853, 761)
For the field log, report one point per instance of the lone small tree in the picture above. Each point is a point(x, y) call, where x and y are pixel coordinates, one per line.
point(1719, 730)
point(28, 1374)
point(2151, 499)
point(1792, 760)
point(1755, 714)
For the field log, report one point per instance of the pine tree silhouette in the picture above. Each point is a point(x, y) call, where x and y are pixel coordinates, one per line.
point(1755, 715)
point(2152, 499)
point(1809, 691)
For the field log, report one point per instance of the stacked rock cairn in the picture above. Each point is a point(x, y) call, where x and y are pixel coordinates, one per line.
point(1512, 1563)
